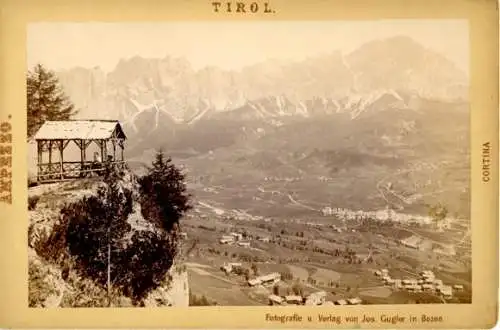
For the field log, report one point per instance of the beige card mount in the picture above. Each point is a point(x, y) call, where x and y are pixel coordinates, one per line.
point(267, 164)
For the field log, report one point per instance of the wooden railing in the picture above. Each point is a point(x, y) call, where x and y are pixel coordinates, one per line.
point(72, 170)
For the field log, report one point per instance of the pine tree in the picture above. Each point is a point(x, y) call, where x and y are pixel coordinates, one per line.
point(164, 196)
point(96, 229)
point(46, 99)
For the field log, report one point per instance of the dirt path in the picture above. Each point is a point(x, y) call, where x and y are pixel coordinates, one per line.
point(300, 204)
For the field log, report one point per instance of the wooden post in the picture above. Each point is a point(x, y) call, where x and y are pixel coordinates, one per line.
point(61, 153)
point(101, 143)
point(114, 150)
point(39, 152)
point(122, 147)
point(50, 156)
point(81, 144)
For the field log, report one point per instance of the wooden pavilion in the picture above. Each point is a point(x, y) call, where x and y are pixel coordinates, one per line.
point(54, 136)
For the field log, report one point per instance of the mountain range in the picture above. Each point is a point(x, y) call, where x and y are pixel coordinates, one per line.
point(154, 98)
point(389, 111)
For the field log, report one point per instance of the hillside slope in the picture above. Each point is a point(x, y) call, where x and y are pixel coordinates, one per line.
point(51, 284)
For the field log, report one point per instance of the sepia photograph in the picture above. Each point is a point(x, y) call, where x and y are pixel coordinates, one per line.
point(248, 163)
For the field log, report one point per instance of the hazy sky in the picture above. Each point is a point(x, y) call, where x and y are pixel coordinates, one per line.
point(229, 44)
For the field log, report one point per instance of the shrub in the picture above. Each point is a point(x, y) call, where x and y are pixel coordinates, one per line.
point(94, 239)
point(199, 301)
point(255, 269)
point(287, 276)
point(32, 201)
point(276, 290)
point(298, 289)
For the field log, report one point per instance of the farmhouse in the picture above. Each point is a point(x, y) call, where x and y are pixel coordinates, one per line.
point(54, 137)
point(294, 300)
point(413, 288)
point(354, 301)
point(237, 236)
point(427, 287)
point(316, 298)
point(275, 300)
point(243, 244)
point(226, 239)
point(445, 291)
point(230, 267)
point(272, 278)
point(397, 284)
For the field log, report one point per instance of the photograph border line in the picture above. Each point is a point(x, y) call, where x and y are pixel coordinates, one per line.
point(483, 20)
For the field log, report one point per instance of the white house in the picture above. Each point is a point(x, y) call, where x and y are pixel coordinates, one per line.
point(226, 239)
point(272, 278)
point(316, 298)
point(354, 301)
point(294, 300)
point(275, 300)
point(237, 236)
point(445, 291)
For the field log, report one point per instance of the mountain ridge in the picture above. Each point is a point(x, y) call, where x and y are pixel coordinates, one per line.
point(171, 84)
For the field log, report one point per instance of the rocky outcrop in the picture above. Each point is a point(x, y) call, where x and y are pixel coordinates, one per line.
point(53, 285)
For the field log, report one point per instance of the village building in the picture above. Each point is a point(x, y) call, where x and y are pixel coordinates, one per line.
point(237, 236)
point(268, 279)
point(458, 287)
point(230, 267)
point(275, 300)
point(316, 298)
point(413, 288)
point(244, 244)
point(411, 242)
point(226, 239)
point(254, 282)
point(410, 281)
point(445, 291)
point(78, 138)
point(294, 300)
point(341, 302)
point(427, 287)
point(354, 301)
point(397, 284)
